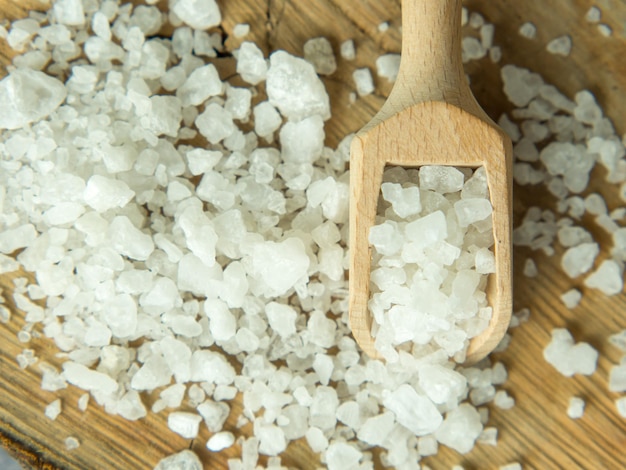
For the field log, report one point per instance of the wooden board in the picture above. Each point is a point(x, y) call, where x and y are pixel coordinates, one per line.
point(537, 431)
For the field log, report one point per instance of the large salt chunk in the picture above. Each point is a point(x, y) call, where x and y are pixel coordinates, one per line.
point(569, 358)
point(342, 456)
point(184, 460)
point(215, 123)
point(520, 85)
point(415, 412)
point(199, 14)
point(120, 314)
point(279, 265)
point(69, 12)
point(251, 64)
point(18, 237)
point(441, 384)
point(185, 424)
point(103, 193)
point(87, 379)
point(295, 89)
point(282, 318)
point(571, 161)
point(460, 429)
point(212, 367)
point(302, 141)
point(153, 373)
point(579, 259)
point(199, 234)
point(375, 430)
point(442, 179)
point(203, 83)
point(404, 201)
point(427, 230)
point(472, 210)
point(128, 240)
point(271, 439)
point(222, 322)
point(166, 115)
point(607, 278)
point(220, 441)
point(27, 96)
point(363, 81)
point(266, 120)
point(319, 52)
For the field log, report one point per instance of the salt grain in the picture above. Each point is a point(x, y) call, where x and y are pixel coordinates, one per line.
point(53, 410)
point(347, 50)
point(570, 358)
point(571, 298)
point(363, 81)
point(528, 30)
point(560, 46)
point(576, 408)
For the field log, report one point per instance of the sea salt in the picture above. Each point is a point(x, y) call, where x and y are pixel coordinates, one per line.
point(241, 30)
point(347, 49)
point(388, 66)
point(53, 410)
point(185, 459)
point(528, 30)
point(593, 15)
point(560, 46)
point(607, 278)
point(617, 378)
point(570, 358)
point(363, 81)
point(576, 408)
point(571, 298)
point(183, 423)
point(220, 441)
point(319, 52)
point(71, 443)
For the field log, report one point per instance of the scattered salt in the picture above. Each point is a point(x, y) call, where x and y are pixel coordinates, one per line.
point(363, 81)
point(560, 46)
point(576, 408)
point(570, 358)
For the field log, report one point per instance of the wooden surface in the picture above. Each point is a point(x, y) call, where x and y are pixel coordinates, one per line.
point(430, 118)
point(537, 431)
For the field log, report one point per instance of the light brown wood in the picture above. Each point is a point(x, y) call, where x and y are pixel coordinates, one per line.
point(536, 432)
point(430, 118)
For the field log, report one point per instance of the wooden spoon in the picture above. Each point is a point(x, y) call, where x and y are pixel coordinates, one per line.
point(430, 118)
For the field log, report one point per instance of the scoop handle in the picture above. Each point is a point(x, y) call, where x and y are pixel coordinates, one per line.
point(431, 68)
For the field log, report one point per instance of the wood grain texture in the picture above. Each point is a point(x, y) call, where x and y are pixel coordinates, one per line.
point(537, 432)
point(430, 118)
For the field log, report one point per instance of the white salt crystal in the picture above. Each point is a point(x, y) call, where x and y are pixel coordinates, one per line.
point(605, 30)
point(266, 120)
point(489, 436)
point(486, 35)
point(441, 384)
point(469, 211)
point(319, 52)
point(323, 367)
point(503, 400)
point(427, 230)
point(476, 20)
point(619, 340)
point(214, 414)
point(528, 30)
point(102, 193)
point(569, 358)
point(316, 439)
point(241, 30)
point(571, 236)
point(87, 379)
point(27, 96)
point(184, 460)
point(184, 424)
point(415, 412)
point(128, 240)
point(282, 318)
point(427, 445)
point(279, 265)
point(485, 261)
point(472, 49)
point(83, 402)
point(215, 123)
point(607, 278)
point(271, 439)
point(295, 89)
point(348, 51)
point(579, 259)
point(154, 373)
point(201, 84)
point(511, 466)
point(617, 378)
point(520, 85)
point(19, 237)
point(69, 12)
point(560, 46)
point(341, 456)
point(199, 14)
point(53, 410)
point(251, 64)
point(388, 66)
point(460, 429)
point(442, 179)
point(620, 404)
point(220, 441)
point(530, 268)
point(571, 298)
point(405, 201)
point(302, 141)
point(593, 15)
point(363, 81)
point(576, 408)
point(71, 443)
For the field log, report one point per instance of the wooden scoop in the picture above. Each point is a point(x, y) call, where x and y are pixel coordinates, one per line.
point(430, 118)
